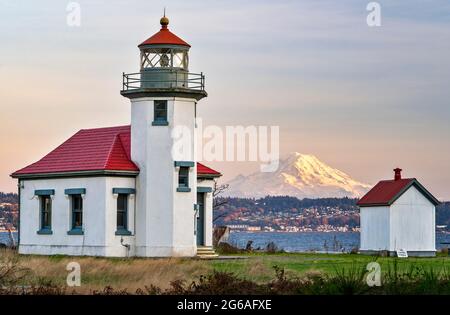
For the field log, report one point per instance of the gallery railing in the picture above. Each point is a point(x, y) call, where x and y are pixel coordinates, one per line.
point(163, 80)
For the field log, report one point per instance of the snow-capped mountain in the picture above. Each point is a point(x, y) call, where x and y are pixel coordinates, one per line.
point(301, 176)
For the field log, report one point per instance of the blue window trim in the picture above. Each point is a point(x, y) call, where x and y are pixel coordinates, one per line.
point(184, 164)
point(73, 212)
point(204, 189)
point(75, 191)
point(45, 232)
point(123, 229)
point(44, 192)
point(123, 232)
point(44, 227)
point(160, 123)
point(125, 191)
point(75, 232)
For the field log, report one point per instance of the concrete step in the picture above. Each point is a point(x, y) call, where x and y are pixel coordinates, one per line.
point(206, 252)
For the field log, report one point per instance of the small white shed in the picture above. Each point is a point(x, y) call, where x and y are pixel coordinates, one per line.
point(398, 214)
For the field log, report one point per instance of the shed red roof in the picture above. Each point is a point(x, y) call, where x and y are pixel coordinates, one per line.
point(387, 191)
point(99, 149)
point(164, 37)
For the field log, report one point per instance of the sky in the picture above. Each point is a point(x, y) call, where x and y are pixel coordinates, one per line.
point(362, 99)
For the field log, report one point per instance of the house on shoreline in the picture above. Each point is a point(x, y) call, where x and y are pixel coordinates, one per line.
point(398, 214)
point(124, 191)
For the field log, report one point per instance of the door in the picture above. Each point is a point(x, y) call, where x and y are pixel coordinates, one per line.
point(201, 219)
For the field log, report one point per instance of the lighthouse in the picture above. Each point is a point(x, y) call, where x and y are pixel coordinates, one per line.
point(164, 96)
point(126, 191)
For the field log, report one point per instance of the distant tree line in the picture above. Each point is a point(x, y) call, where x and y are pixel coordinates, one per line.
point(443, 214)
point(9, 198)
point(285, 204)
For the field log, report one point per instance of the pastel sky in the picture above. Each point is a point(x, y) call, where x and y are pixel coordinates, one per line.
point(362, 99)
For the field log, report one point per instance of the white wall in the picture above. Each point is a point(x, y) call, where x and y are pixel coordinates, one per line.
point(374, 223)
point(208, 223)
point(409, 223)
point(412, 222)
point(165, 217)
point(114, 247)
point(98, 217)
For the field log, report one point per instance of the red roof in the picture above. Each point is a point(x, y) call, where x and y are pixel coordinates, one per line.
point(99, 149)
point(88, 150)
point(164, 37)
point(387, 191)
point(205, 170)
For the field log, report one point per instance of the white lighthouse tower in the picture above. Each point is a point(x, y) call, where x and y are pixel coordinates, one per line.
point(164, 97)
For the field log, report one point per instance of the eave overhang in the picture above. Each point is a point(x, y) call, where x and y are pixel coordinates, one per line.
point(76, 174)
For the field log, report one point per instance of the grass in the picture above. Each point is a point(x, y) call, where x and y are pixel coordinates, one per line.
point(346, 270)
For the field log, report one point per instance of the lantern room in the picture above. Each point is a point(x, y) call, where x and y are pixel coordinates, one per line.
point(164, 68)
point(164, 50)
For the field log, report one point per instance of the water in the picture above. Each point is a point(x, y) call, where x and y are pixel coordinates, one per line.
point(309, 241)
point(292, 242)
point(4, 238)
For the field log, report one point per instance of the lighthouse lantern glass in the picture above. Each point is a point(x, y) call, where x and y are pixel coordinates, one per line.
point(164, 58)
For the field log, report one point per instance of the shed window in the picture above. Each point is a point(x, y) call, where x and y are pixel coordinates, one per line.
point(122, 212)
point(46, 212)
point(77, 212)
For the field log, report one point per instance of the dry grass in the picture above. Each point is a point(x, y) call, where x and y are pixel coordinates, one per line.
point(138, 273)
point(97, 273)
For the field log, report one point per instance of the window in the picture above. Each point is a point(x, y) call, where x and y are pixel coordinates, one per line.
point(77, 212)
point(183, 177)
point(46, 212)
point(122, 212)
point(160, 113)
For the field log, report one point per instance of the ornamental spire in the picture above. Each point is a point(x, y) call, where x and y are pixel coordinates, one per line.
point(164, 20)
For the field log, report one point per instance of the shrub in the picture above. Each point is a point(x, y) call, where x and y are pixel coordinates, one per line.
point(226, 248)
point(11, 273)
point(272, 248)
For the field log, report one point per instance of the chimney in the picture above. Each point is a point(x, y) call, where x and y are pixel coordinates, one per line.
point(398, 173)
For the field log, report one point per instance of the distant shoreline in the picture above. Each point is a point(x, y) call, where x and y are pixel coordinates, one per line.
point(288, 232)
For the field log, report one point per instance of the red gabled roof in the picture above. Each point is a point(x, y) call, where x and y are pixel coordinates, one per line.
point(164, 37)
point(387, 191)
point(99, 149)
point(205, 170)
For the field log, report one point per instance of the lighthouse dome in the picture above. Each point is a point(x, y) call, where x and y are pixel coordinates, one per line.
point(164, 36)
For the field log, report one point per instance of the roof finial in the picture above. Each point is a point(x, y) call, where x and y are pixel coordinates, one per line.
point(164, 20)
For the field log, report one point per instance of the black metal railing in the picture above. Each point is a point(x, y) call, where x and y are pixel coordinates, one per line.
point(163, 80)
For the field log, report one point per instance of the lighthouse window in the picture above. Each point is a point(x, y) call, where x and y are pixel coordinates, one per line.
point(183, 178)
point(160, 113)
